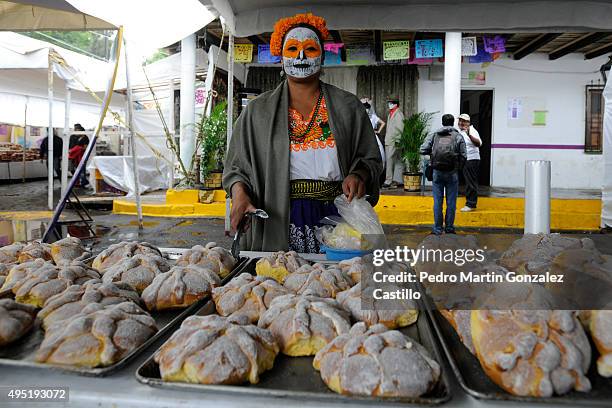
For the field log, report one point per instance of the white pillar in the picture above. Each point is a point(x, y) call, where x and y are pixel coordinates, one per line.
point(50, 134)
point(230, 110)
point(66, 139)
point(188, 61)
point(452, 73)
point(537, 197)
point(172, 129)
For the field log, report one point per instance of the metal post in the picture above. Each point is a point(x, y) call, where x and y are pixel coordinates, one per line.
point(50, 134)
point(188, 61)
point(452, 73)
point(130, 113)
point(66, 139)
point(26, 135)
point(172, 129)
point(230, 110)
point(537, 197)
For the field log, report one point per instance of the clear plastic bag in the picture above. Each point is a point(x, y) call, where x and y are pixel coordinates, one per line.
point(357, 218)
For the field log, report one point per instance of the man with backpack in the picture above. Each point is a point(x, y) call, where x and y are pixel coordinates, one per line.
point(448, 154)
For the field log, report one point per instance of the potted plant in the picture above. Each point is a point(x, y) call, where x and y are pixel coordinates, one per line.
point(212, 134)
point(416, 129)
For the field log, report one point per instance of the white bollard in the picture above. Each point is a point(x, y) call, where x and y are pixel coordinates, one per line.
point(537, 197)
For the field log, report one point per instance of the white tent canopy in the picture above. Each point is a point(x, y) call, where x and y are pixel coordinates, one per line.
point(34, 15)
point(248, 17)
point(23, 81)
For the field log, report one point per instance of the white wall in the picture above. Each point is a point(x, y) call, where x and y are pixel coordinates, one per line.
point(561, 83)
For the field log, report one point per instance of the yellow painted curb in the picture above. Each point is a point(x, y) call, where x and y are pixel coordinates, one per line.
point(25, 215)
point(493, 212)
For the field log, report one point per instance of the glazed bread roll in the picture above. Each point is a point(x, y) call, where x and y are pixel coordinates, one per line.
point(534, 253)
point(211, 256)
point(73, 300)
point(461, 320)
point(35, 250)
point(19, 272)
point(217, 350)
point(304, 324)
point(392, 314)
point(10, 254)
point(534, 353)
point(180, 287)
point(15, 320)
point(357, 266)
point(377, 362)
point(318, 280)
point(118, 252)
point(98, 336)
point(599, 325)
point(67, 250)
point(138, 271)
point(279, 264)
point(48, 281)
point(247, 295)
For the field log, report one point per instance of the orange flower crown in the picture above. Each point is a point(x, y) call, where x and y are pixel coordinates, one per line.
point(283, 25)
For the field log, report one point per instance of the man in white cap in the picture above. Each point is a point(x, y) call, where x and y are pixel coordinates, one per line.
point(470, 170)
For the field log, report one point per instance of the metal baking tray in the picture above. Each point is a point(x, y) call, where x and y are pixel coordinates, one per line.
point(22, 352)
point(476, 383)
point(295, 378)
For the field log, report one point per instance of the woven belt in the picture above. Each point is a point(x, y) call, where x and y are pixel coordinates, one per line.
point(315, 189)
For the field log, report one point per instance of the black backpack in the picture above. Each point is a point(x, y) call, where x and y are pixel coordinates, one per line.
point(444, 152)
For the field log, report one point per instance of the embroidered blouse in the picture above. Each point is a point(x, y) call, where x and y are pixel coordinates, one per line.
point(315, 157)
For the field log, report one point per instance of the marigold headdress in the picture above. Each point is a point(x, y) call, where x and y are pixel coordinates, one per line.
point(283, 25)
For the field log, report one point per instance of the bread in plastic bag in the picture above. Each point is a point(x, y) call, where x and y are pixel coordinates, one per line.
point(356, 219)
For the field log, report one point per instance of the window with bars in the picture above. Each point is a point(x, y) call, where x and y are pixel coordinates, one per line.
point(593, 141)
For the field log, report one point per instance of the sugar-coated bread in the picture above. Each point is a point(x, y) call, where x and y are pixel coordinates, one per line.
point(118, 252)
point(9, 254)
point(217, 350)
point(18, 272)
point(534, 353)
point(137, 271)
point(392, 314)
point(599, 325)
point(318, 280)
point(211, 256)
point(50, 280)
point(180, 287)
point(279, 264)
point(247, 295)
point(16, 319)
point(378, 362)
point(35, 250)
point(304, 324)
point(73, 300)
point(99, 336)
point(357, 266)
point(67, 250)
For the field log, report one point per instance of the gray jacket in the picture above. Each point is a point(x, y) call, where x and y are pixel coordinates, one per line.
point(427, 145)
point(259, 156)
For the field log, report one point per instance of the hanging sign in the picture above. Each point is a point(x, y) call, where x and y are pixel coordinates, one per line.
point(494, 44)
point(359, 55)
point(243, 52)
point(396, 50)
point(332, 53)
point(481, 57)
point(428, 48)
point(333, 47)
point(264, 56)
point(468, 47)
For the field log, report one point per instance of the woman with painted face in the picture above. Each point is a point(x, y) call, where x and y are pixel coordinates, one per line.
point(296, 148)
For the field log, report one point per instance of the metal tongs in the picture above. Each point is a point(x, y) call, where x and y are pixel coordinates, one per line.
point(243, 222)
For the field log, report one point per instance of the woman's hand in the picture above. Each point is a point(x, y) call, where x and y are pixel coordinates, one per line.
point(241, 204)
point(353, 186)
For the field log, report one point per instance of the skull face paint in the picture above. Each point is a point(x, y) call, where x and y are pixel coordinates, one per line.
point(301, 53)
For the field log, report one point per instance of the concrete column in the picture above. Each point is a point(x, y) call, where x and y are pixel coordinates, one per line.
point(50, 174)
point(452, 73)
point(187, 137)
point(537, 197)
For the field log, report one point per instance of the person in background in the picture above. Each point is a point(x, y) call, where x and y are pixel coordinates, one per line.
point(447, 150)
point(57, 152)
point(75, 138)
point(472, 166)
point(76, 155)
point(395, 127)
point(378, 125)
